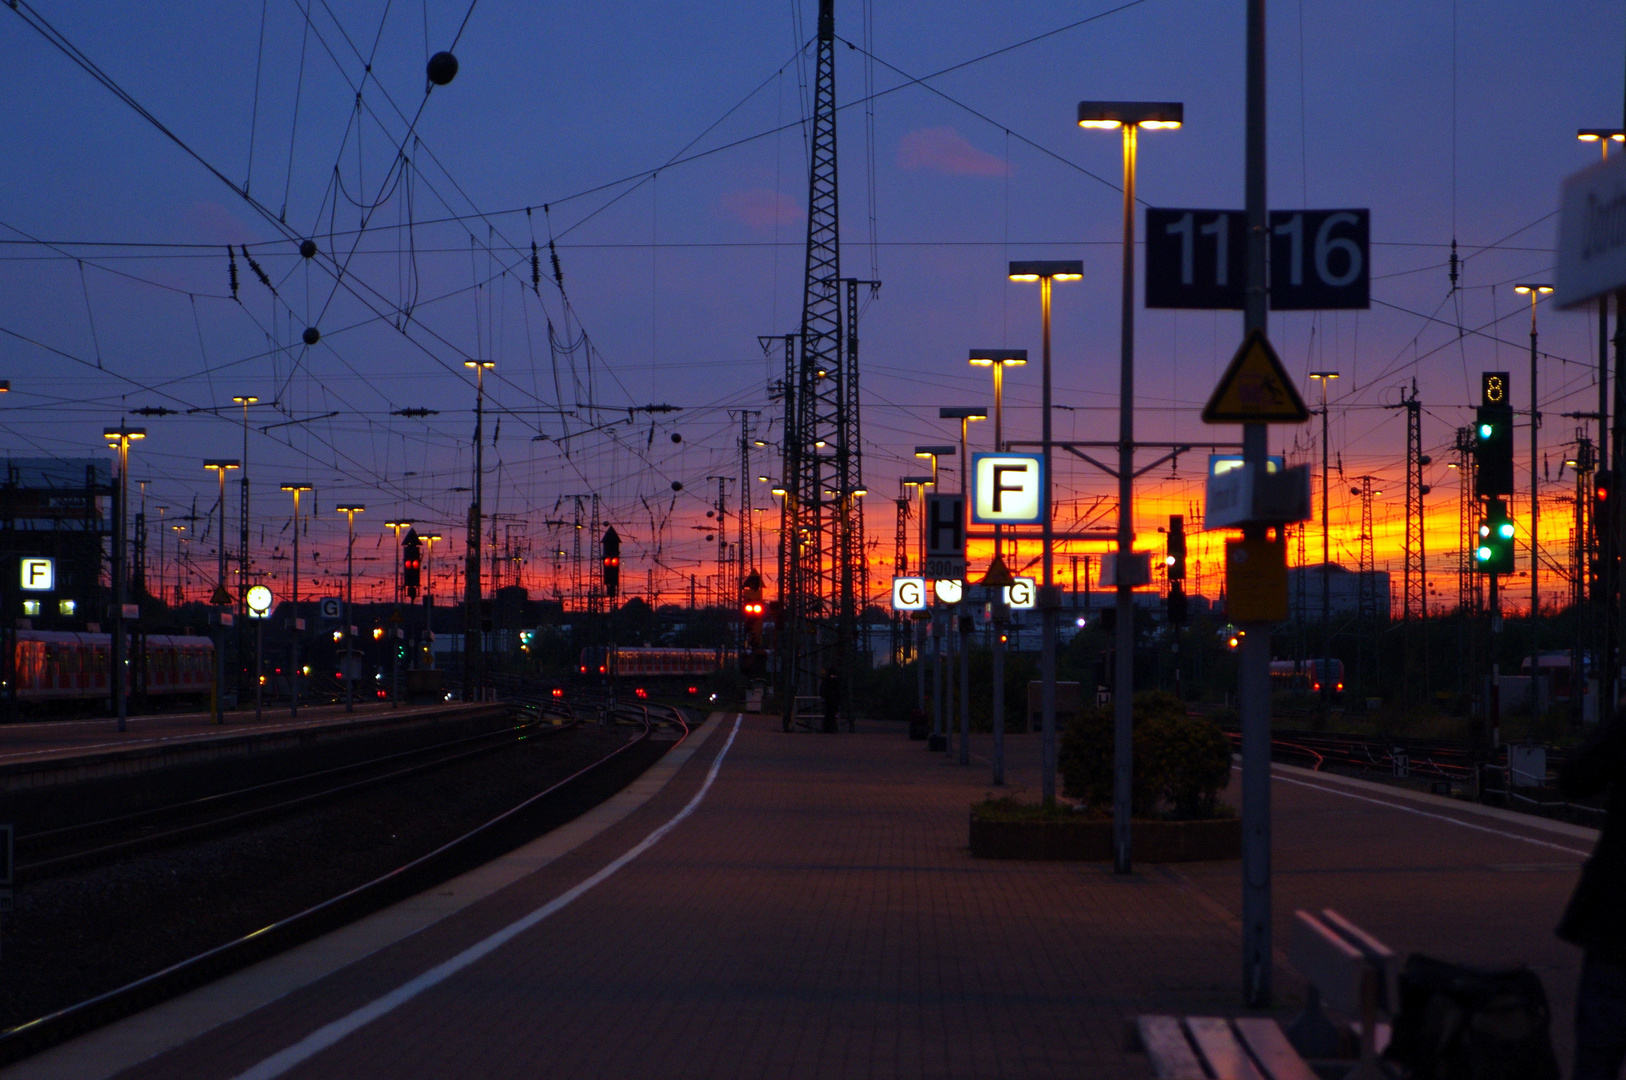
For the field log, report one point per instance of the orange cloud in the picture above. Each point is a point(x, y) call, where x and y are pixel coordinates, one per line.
point(760, 207)
point(945, 150)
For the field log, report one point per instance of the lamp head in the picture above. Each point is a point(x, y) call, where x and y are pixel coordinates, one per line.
point(1525, 290)
point(221, 464)
point(246, 399)
point(1598, 134)
point(479, 363)
point(962, 412)
point(1323, 375)
point(1055, 269)
point(935, 451)
point(1003, 357)
point(1147, 115)
point(349, 509)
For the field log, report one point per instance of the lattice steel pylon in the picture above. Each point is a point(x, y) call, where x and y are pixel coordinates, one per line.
point(823, 519)
point(901, 641)
point(1468, 585)
point(1414, 599)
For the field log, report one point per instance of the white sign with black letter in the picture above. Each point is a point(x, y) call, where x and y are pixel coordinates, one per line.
point(331, 608)
point(1009, 489)
point(38, 575)
point(945, 536)
point(908, 594)
point(1592, 233)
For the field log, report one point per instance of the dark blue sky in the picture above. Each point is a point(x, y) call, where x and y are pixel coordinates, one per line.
point(1442, 123)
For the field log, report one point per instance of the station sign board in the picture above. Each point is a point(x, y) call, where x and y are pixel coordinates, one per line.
point(1591, 233)
point(945, 536)
point(1007, 489)
point(37, 574)
point(908, 594)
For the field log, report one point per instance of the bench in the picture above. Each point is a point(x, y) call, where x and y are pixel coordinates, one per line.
point(1345, 967)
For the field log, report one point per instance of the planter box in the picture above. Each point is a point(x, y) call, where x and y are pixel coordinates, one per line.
point(1091, 841)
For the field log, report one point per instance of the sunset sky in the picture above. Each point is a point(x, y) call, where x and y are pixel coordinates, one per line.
point(660, 146)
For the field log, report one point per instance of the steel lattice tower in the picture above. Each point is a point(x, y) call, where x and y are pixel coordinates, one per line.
point(821, 464)
point(900, 567)
point(1468, 586)
point(1414, 600)
point(1366, 606)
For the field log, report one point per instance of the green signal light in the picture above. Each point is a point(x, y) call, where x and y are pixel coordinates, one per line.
point(1483, 554)
point(1486, 431)
point(1505, 529)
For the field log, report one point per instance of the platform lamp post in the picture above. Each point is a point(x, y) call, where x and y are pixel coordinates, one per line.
point(942, 683)
point(473, 652)
point(295, 623)
point(965, 415)
point(1046, 272)
point(1326, 681)
point(245, 400)
point(350, 513)
point(911, 484)
point(1535, 292)
point(998, 360)
point(395, 627)
point(122, 436)
point(1131, 117)
point(222, 595)
point(429, 590)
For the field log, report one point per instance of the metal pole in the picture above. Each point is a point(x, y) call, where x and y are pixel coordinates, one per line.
point(259, 666)
point(1535, 518)
point(220, 630)
point(1047, 607)
point(965, 635)
point(1326, 569)
point(1254, 680)
point(293, 621)
point(1123, 695)
point(999, 606)
point(349, 613)
point(120, 704)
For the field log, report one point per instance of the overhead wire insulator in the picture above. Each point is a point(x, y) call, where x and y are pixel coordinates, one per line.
point(536, 268)
point(558, 271)
point(1455, 263)
point(258, 272)
point(232, 256)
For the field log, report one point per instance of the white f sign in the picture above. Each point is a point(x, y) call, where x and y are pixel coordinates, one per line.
point(908, 594)
point(1009, 489)
point(38, 575)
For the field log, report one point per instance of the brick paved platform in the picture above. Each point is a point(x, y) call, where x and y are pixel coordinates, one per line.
point(819, 915)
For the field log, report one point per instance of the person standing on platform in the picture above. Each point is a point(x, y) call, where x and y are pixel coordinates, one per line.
point(1596, 916)
point(830, 689)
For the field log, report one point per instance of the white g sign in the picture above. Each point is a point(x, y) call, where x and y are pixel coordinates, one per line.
point(1020, 595)
point(908, 594)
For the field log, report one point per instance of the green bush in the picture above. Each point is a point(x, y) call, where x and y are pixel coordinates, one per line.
point(1181, 762)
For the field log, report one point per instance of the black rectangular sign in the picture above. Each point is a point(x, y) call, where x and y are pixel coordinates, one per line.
point(1319, 260)
point(1196, 258)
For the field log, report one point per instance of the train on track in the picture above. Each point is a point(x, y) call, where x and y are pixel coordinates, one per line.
point(652, 663)
point(52, 667)
point(1308, 676)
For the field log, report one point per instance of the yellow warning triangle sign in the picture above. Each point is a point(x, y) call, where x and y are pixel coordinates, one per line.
point(1255, 389)
point(998, 575)
point(221, 596)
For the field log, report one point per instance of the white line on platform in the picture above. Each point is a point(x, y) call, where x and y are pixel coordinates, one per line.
point(1437, 817)
point(326, 1036)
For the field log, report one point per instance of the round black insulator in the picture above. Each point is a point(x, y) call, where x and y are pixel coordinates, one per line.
point(307, 248)
point(677, 485)
point(676, 437)
point(442, 68)
point(710, 538)
point(711, 513)
point(312, 335)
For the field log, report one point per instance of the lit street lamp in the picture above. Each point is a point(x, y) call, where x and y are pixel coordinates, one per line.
point(395, 626)
point(123, 436)
point(965, 415)
point(1046, 272)
point(1132, 117)
point(222, 595)
point(473, 654)
point(1325, 377)
point(998, 360)
point(1535, 292)
point(350, 513)
point(295, 623)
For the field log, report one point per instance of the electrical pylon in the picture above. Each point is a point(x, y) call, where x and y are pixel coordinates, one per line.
point(1468, 587)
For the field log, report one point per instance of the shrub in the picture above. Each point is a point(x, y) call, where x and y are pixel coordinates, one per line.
point(1181, 762)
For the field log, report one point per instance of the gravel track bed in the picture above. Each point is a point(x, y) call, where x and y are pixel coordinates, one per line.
point(80, 934)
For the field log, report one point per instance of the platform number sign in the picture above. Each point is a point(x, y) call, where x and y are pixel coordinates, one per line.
point(1196, 258)
point(1319, 259)
point(1493, 388)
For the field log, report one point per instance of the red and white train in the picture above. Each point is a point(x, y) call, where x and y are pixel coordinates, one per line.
point(651, 663)
point(53, 666)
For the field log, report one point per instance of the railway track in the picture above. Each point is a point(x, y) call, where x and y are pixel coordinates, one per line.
point(532, 816)
point(74, 847)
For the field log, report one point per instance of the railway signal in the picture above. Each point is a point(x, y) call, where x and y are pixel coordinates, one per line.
point(1494, 552)
point(411, 562)
point(752, 609)
point(1493, 437)
point(612, 562)
point(1603, 523)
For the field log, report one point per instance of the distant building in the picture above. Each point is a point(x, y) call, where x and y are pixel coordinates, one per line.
point(1343, 587)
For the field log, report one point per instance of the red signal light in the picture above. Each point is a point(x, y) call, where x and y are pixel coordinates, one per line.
point(641, 692)
point(694, 689)
point(558, 692)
